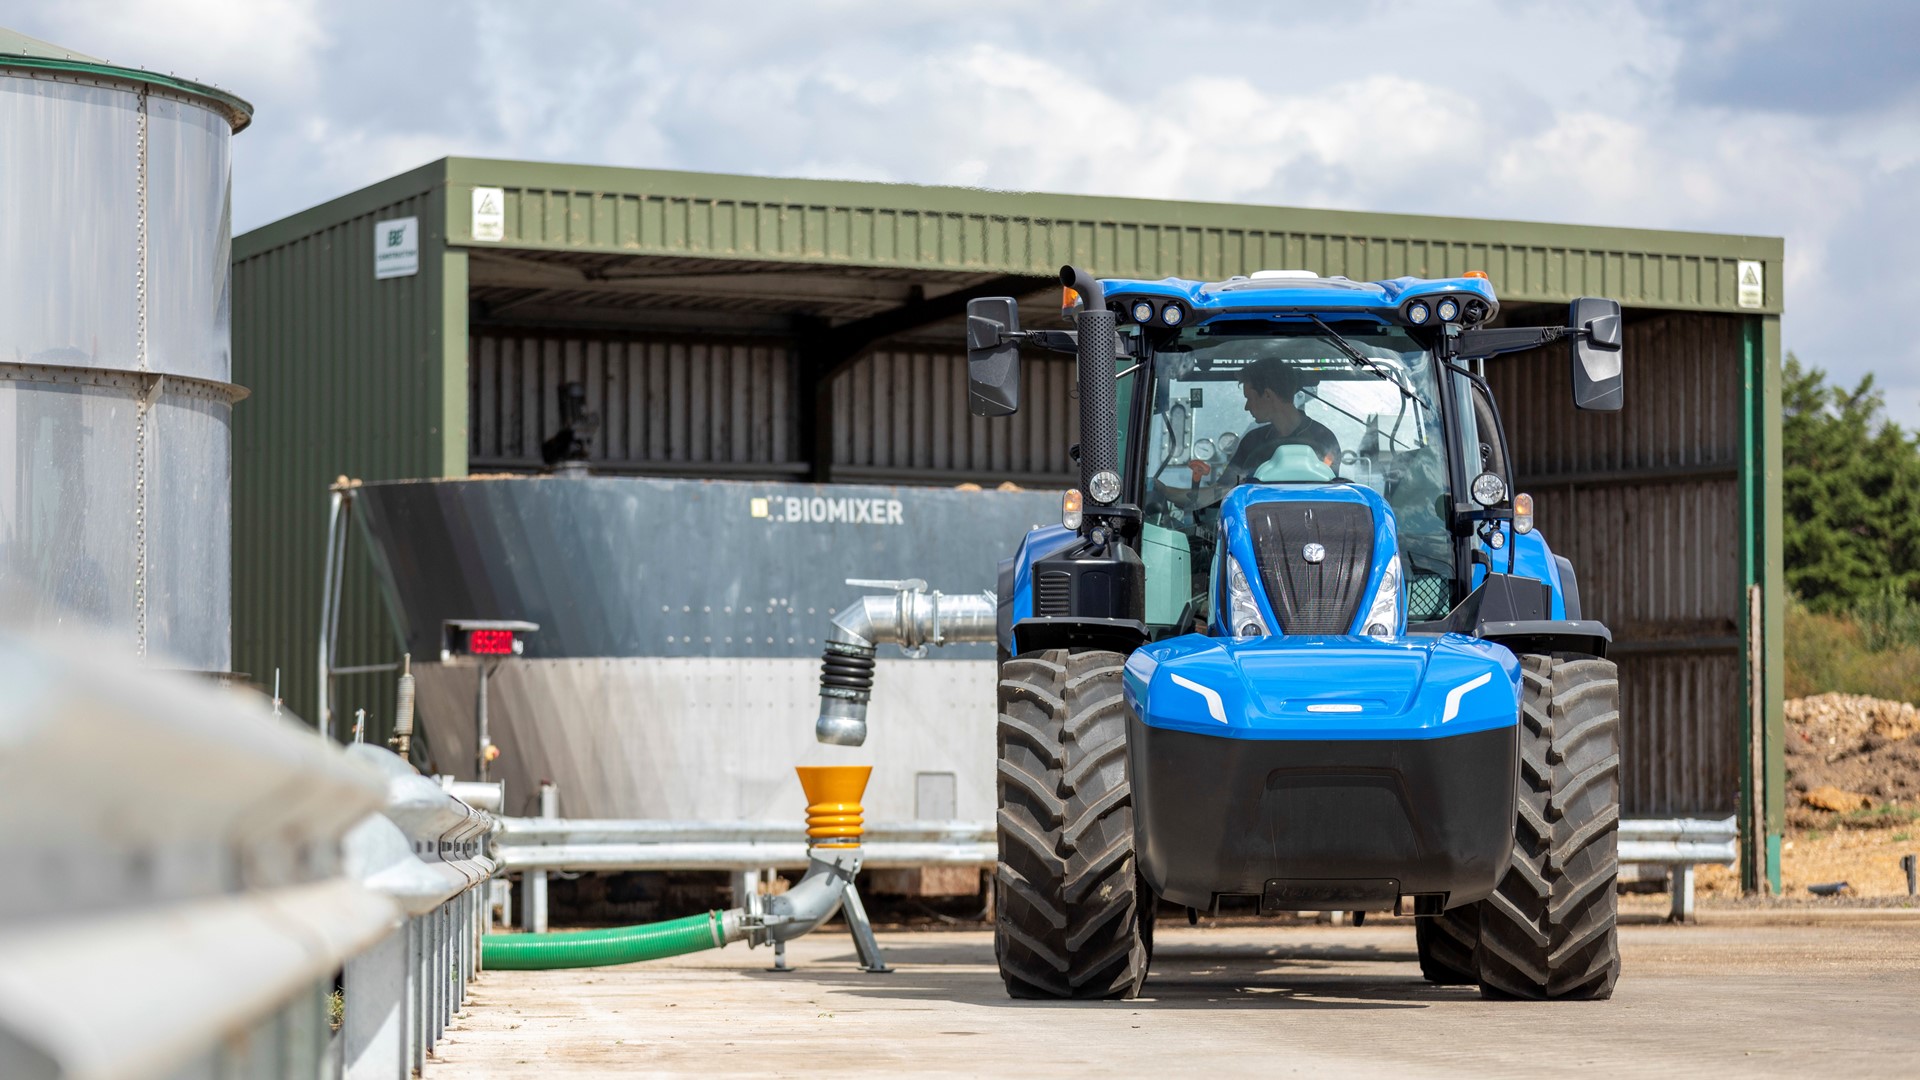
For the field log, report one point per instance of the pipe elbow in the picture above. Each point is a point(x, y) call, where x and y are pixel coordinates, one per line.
point(814, 898)
point(861, 624)
point(846, 672)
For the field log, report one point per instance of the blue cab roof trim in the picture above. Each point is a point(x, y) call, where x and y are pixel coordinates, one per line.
point(1208, 298)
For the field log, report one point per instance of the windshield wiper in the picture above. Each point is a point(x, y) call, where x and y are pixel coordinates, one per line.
point(1361, 360)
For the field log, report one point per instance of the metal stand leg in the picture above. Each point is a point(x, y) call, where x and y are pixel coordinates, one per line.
point(1680, 884)
point(780, 958)
point(871, 961)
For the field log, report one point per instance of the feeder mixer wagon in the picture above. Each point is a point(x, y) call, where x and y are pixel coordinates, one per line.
point(1295, 637)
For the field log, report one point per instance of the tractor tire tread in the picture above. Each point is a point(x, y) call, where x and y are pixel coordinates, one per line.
point(1073, 919)
point(1550, 929)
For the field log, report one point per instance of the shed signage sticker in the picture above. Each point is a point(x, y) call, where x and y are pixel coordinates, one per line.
point(489, 214)
point(826, 510)
point(1753, 284)
point(396, 247)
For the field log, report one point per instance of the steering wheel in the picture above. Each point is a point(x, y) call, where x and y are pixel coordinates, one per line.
point(1185, 484)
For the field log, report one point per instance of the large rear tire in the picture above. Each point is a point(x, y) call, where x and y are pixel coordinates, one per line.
point(1447, 944)
point(1073, 918)
point(1549, 931)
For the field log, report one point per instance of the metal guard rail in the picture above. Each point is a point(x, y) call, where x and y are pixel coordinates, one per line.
point(427, 851)
point(542, 844)
point(1681, 844)
point(163, 834)
point(607, 845)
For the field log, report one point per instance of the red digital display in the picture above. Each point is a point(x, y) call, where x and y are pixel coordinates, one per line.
point(490, 642)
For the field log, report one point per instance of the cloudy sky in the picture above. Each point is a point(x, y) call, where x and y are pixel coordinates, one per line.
point(1794, 119)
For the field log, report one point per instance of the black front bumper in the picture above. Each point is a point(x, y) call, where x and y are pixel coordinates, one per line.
point(1310, 825)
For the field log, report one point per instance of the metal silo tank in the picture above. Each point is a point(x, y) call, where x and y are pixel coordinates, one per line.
point(115, 298)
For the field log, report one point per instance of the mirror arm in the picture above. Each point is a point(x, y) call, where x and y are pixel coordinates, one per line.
point(1480, 344)
point(1060, 341)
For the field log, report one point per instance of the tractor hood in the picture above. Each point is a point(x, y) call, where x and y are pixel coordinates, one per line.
point(1419, 687)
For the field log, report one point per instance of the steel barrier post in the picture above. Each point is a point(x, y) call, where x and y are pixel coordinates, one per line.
point(533, 916)
point(416, 1010)
point(373, 1027)
point(1680, 885)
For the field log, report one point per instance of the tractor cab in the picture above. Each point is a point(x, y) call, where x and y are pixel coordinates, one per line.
point(1286, 378)
point(1271, 401)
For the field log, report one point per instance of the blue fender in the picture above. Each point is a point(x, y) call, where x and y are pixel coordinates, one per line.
point(1040, 543)
point(1532, 558)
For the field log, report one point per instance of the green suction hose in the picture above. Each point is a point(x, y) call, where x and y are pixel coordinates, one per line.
point(603, 948)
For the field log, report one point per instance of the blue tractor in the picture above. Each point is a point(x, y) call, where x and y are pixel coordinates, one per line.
point(1295, 637)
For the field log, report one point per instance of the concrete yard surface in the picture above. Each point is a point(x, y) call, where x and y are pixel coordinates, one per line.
point(1834, 998)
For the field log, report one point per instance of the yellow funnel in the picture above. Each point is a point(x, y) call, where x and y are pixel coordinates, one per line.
point(833, 803)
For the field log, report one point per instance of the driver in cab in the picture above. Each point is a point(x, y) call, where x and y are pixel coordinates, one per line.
point(1270, 386)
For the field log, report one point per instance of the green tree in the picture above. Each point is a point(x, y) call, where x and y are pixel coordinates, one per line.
point(1851, 490)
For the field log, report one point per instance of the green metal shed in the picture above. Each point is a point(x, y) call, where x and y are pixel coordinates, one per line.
point(744, 327)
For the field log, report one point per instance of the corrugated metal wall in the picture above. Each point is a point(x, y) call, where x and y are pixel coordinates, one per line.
point(644, 212)
point(906, 420)
point(1646, 503)
point(679, 405)
point(346, 372)
point(713, 407)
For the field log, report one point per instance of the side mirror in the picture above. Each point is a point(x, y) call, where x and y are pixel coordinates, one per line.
point(993, 356)
point(1595, 354)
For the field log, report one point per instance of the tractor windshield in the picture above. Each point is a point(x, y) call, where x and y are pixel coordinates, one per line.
point(1259, 401)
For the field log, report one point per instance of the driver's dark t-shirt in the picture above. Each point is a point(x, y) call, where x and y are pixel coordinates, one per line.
point(1259, 443)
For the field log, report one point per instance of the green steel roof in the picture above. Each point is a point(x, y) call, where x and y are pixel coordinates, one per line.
point(598, 210)
point(21, 52)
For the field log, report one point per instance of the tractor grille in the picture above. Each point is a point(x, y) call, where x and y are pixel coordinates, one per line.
point(1313, 598)
point(1053, 593)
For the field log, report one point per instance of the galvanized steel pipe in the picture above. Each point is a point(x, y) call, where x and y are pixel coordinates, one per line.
point(908, 616)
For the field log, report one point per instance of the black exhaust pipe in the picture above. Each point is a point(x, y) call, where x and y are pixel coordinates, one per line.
point(1099, 342)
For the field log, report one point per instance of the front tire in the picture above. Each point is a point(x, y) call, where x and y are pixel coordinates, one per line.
point(1073, 918)
point(1550, 930)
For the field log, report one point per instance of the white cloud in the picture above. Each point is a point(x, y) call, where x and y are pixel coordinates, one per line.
point(1651, 115)
point(255, 44)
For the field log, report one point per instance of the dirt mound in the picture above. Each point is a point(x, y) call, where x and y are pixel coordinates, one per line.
point(1852, 761)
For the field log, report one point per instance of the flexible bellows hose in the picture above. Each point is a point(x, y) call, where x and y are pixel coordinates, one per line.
point(602, 948)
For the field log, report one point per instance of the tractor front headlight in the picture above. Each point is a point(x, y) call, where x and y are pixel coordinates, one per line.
point(1383, 618)
point(1104, 487)
point(1488, 489)
point(1243, 613)
point(1142, 311)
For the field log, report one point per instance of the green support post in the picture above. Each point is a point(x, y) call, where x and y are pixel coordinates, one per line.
point(1773, 599)
point(1762, 610)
